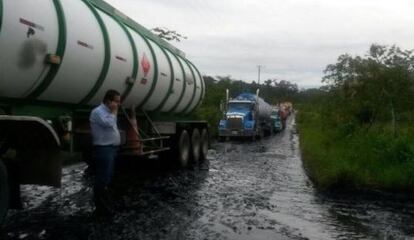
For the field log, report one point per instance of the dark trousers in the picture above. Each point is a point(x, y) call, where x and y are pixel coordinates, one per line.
point(104, 157)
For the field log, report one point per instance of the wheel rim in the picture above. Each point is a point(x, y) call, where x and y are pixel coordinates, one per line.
point(184, 148)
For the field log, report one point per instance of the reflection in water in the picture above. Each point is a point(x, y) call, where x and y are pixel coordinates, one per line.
point(267, 195)
point(346, 215)
point(246, 190)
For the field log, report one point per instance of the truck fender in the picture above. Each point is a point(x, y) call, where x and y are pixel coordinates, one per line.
point(38, 157)
point(16, 121)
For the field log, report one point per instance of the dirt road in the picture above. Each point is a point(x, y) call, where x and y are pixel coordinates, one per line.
point(244, 191)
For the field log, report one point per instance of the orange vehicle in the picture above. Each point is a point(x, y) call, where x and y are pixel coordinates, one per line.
point(283, 113)
point(287, 106)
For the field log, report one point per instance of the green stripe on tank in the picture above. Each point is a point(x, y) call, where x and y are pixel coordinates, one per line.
point(104, 6)
point(118, 19)
point(60, 51)
point(107, 58)
point(171, 82)
point(184, 86)
point(154, 82)
point(136, 61)
point(194, 91)
point(202, 87)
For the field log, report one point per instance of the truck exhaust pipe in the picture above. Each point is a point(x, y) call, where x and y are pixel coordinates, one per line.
point(257, 94)
point(227, 96)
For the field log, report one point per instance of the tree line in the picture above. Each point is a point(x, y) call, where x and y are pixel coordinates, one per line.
point(357, 130)
point(377, 88)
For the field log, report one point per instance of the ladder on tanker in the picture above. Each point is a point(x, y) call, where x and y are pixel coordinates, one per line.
point(141, 143)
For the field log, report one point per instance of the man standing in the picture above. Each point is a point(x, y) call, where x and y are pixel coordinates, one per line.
point(105, 140)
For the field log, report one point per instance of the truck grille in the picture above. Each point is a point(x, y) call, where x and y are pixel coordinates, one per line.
point(235, 123)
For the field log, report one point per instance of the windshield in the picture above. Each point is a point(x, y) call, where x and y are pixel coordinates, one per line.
point(237, 107)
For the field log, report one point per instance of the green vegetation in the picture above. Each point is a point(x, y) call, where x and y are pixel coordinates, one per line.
point(351, 156)
point(357, 131)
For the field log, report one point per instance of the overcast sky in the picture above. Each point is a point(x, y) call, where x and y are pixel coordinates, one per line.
point(293, 40)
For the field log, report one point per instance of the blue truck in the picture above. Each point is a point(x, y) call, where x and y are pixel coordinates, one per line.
point(245, 116)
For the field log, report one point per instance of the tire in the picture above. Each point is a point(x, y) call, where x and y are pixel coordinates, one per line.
point(183, 149)
point(253, 138)
point(195, 145)
point(261, 134)
point(204, 144)
point(4, 192)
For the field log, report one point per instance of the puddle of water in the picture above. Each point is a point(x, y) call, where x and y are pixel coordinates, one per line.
point(255, 190)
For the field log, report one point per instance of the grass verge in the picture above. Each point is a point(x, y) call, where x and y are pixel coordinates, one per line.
point(343, 157)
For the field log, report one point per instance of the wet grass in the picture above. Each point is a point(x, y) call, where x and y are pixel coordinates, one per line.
point(344, 157)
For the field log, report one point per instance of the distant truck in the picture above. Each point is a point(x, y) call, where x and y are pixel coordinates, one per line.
point(246, 116)
point(277, 123)
point(57, 60)
point(285, 109)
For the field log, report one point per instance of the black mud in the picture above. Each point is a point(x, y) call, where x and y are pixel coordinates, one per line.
point(244, 191)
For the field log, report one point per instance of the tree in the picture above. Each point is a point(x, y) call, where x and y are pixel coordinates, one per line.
point(167, 34)
point(375, 86)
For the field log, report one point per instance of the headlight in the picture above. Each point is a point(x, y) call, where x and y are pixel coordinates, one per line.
point(222, 124)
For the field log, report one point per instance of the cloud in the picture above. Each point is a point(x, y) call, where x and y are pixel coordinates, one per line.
point(294, 39)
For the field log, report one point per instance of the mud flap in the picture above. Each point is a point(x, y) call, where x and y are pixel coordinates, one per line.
point(43, 167)
point(36, 146)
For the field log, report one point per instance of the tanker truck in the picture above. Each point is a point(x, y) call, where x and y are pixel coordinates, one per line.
point(275, 115)
point(58, 58)
point(246, 116)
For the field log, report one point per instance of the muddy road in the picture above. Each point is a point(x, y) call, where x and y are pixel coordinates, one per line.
point(244, 191)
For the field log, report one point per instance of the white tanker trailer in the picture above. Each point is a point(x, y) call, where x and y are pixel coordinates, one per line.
point(57, 60)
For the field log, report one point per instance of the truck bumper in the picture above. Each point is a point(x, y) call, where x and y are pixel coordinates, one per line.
point(237, 133)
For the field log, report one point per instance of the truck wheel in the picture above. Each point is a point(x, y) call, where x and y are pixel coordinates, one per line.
point(195, 145)
point(261, 134)
point(4, 192)
point(204, 144)
point(183, 149)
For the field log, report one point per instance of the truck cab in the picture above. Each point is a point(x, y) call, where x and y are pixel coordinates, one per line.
point(239, 119)
point(246, 116)
point(276, 120)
